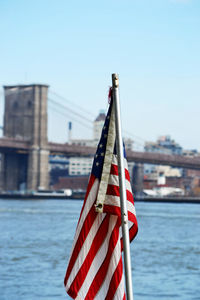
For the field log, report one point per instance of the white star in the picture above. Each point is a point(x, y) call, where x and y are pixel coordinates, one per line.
point(105, 135)
point(100, 146)
point(102, 154)
point(97, 164)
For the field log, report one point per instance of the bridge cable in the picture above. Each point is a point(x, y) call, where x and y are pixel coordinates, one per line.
point(70, 110)
point(71, 103)
point(68, 116)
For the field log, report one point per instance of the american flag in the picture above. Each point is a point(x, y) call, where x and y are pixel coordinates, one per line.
point(95, 269)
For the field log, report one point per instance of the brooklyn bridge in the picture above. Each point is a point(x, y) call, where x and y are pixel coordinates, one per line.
point(25, 148)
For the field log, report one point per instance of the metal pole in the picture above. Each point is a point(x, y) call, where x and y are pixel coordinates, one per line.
point(122, 185)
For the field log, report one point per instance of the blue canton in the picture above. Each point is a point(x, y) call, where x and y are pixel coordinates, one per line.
point(101, 149)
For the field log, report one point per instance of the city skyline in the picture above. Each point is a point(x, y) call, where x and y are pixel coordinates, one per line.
point(74, 47)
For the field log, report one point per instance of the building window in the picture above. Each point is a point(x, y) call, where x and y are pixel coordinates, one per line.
point(15, 105)
point(29, 104)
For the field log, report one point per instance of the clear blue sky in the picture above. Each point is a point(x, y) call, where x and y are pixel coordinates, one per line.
point(74, 46)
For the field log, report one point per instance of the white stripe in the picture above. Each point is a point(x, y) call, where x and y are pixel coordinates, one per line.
point(114, 260)
point(85, 248)
point(98, 260)
point(131, 207)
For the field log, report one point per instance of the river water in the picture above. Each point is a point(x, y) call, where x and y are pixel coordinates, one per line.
point(36, 238)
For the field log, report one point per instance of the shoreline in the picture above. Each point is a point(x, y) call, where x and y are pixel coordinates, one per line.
point(168, 199)
point(80, 196)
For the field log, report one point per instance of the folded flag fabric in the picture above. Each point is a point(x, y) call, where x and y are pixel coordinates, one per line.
point(95, 269)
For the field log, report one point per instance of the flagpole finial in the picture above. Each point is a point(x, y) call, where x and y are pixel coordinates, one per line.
point(115, 80)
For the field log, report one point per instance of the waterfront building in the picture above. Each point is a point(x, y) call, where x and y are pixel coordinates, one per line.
point(58, 167)
point(190, 153)
point(164, 145)
point(98, 125)
point(187, 180)
point(80, 165)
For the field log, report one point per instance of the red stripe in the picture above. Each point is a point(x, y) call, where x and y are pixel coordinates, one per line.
point(113, 190)
point(100, 275)
point(96, 244)
point(89, 220)
point(115, 281)
point(129, 196)
point(114, 171)
point(133, 230)
point(127, 175)
point(112, 210)
point(131, 217)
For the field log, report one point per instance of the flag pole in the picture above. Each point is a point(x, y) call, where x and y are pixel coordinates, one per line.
point(122, 185)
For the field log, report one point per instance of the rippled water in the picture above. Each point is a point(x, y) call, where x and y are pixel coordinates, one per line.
point(36, 238)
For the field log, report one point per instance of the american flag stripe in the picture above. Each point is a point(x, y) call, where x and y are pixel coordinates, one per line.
point(108, 287)
point(93, 249)
point(114, 171)
point(86, 221)
point(114, 204)
point(114, 180)
point(116, 287)
point(119, 292)
point(113, 190)
point(95, 268)
point(115, 280)
point(101, 273)
point(86, 245)
point(92, 189)
point(100, 257)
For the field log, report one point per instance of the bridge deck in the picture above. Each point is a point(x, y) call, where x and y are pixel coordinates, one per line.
point(17, 145)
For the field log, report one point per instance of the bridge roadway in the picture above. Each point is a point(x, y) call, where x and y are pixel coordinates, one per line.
point(21, 146)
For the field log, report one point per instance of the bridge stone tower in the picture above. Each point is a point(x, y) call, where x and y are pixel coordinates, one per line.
point(138, 176)
point(25, 118)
